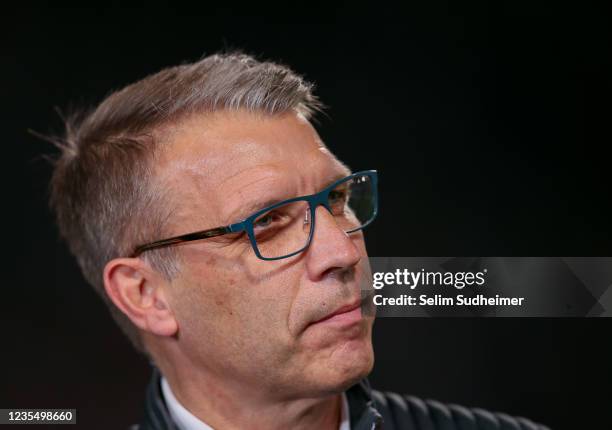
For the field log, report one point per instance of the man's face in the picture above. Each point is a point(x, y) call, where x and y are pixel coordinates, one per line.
point(257, 322)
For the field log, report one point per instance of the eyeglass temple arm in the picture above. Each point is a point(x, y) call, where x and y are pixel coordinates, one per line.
point(204, 234)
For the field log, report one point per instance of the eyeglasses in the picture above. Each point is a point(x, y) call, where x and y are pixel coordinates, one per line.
point(285, 229)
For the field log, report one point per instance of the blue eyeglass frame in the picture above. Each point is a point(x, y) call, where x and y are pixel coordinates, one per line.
point(314, 200)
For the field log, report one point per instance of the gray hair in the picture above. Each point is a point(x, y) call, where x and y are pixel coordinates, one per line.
point(101, 187)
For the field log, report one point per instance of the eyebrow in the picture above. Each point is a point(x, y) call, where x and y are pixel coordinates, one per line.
point(255, 205)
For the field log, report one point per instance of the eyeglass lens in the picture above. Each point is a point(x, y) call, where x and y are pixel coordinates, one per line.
point(286, 229)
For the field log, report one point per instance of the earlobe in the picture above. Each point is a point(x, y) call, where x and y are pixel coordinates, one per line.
point(139, 293)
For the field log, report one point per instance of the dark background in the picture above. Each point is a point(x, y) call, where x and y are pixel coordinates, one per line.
point(488, 122)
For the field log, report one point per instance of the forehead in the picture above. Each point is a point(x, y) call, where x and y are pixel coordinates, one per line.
point(213, 162)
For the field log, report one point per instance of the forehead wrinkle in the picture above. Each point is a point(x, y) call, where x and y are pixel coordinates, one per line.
point(231, 170)
point(186, 178)
point(218, 149)
point(206, 166)
point(203, 156)
point(269, 183)
point(279, 181)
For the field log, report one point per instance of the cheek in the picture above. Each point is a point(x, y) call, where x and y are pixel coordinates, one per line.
point(204, 300)
point(226, 311)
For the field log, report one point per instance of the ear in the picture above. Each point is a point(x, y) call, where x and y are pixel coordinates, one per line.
point(140, 293)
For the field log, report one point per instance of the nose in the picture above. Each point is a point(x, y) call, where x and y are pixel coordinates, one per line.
point(331, 251)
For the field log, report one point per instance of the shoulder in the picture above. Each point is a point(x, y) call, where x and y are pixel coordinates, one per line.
point(409, 412)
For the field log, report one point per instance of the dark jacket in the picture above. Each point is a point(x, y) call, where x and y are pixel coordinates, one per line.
point(370, 410)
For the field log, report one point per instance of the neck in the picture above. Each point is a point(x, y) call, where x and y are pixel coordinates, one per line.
point(222, 403)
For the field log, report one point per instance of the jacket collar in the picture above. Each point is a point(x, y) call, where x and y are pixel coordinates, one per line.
point(362, 411)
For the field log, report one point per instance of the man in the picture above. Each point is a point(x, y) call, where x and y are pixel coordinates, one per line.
point(227, 241)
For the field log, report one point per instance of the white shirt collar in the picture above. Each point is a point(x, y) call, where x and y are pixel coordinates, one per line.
point(185, 420)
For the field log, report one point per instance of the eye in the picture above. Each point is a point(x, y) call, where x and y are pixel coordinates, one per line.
point(337, 196)
point(265, 220)
point(269, 220)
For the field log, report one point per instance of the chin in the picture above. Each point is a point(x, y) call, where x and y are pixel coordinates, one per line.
point(342, 358)
point(347, 366)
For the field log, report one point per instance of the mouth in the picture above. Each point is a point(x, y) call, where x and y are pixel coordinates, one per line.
point(344, 315)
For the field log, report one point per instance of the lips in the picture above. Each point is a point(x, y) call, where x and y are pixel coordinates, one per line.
point(345, 314)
